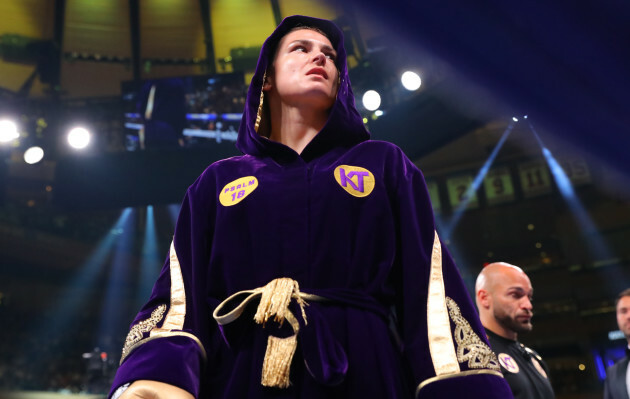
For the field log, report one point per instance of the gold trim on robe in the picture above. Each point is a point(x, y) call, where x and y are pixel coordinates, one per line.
point(441, 310)
point(460, 374)
point(177, 311)
point(440, 335)
point(174, 320)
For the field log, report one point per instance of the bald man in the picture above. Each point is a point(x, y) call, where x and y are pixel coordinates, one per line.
point(504, 297)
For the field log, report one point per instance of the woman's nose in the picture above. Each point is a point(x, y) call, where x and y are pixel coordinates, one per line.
point(319, 58)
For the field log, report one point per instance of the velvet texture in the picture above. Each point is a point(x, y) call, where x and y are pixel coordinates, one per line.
point(306, 219)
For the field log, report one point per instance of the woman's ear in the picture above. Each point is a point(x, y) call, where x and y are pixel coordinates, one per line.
point(267, 83)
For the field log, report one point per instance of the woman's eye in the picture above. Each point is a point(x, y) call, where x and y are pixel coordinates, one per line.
point(299, 48)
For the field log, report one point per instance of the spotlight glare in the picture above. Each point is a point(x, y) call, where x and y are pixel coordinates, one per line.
point(378, 112)
point(79, 138)
point(33, 155)
point(411, 80)
point(8, 131)
point(515, 119)
point(371, 100)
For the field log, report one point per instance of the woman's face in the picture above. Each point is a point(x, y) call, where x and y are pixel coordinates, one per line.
point(304, 71)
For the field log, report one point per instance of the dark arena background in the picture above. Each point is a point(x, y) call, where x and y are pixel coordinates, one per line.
point(517, 113)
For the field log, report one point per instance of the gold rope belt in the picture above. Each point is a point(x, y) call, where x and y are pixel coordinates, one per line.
point(275, 298)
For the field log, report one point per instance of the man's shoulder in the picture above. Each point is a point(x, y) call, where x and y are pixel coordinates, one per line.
point(620, 364)
point(531, 352)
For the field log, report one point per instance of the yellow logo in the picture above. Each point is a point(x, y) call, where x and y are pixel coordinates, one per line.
point(236, 191)
point(355, 180)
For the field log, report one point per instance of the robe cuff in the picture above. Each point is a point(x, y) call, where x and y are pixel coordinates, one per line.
point(472, 384)
point(175, 360)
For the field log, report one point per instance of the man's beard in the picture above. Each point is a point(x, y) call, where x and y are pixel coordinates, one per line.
point(512, 324)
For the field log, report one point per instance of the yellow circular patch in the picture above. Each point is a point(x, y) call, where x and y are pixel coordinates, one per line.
point(539, 368)
point(236, 191)
point(355, 180)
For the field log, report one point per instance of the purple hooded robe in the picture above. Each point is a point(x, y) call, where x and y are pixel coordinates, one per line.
point(349, 219)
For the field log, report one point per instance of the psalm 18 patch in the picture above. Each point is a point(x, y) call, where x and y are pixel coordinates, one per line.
point(508, 363)
point(355, 180)
point(236, 191)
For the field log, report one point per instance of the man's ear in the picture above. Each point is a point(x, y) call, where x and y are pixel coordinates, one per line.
point(483, 298)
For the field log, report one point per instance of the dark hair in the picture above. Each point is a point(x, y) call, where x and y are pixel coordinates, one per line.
point(623, 293)
point(300, 25)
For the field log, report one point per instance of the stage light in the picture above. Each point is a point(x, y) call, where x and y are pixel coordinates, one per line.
point(79, 138)
point(371, 100)
point(515, 119)
point(378, 112)
point(8, 131)
point(33, 155)
point(411, 80)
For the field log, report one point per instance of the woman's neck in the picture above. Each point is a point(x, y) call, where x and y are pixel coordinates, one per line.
point(295, 127)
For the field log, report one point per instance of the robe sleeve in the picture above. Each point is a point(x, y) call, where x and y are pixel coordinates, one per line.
point(443, 340)
point(168, 337)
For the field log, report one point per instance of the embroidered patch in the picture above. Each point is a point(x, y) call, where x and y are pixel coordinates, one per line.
point(137, 331)
point(539, 368)
point(508, 363)
point(236, 191)
point(470, 347)
point(357, 181)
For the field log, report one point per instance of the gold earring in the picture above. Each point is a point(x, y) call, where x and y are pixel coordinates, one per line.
point(260, 105)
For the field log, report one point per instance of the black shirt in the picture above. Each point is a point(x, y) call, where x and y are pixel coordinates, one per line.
point(523, 368)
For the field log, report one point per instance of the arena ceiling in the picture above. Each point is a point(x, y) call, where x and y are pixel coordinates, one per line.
point(565, 64)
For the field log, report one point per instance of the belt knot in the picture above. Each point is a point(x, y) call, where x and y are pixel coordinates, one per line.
point(275, 298)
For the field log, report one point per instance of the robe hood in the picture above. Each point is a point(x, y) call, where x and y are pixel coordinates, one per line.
point(344, 126)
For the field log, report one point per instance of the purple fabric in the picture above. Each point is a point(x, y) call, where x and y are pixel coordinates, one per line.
point(460, 388)
point(156, 359)
point(370, 255)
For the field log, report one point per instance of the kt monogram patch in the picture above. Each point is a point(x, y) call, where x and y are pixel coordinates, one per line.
point(357, 181)
point(236, 191)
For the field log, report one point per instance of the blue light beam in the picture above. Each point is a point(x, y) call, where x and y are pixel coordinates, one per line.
point(599, 366)
point(66, 310)
point(173, 211)
point(150, 263)
point(114, 304)
point(474, 186)
point(596, 245)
